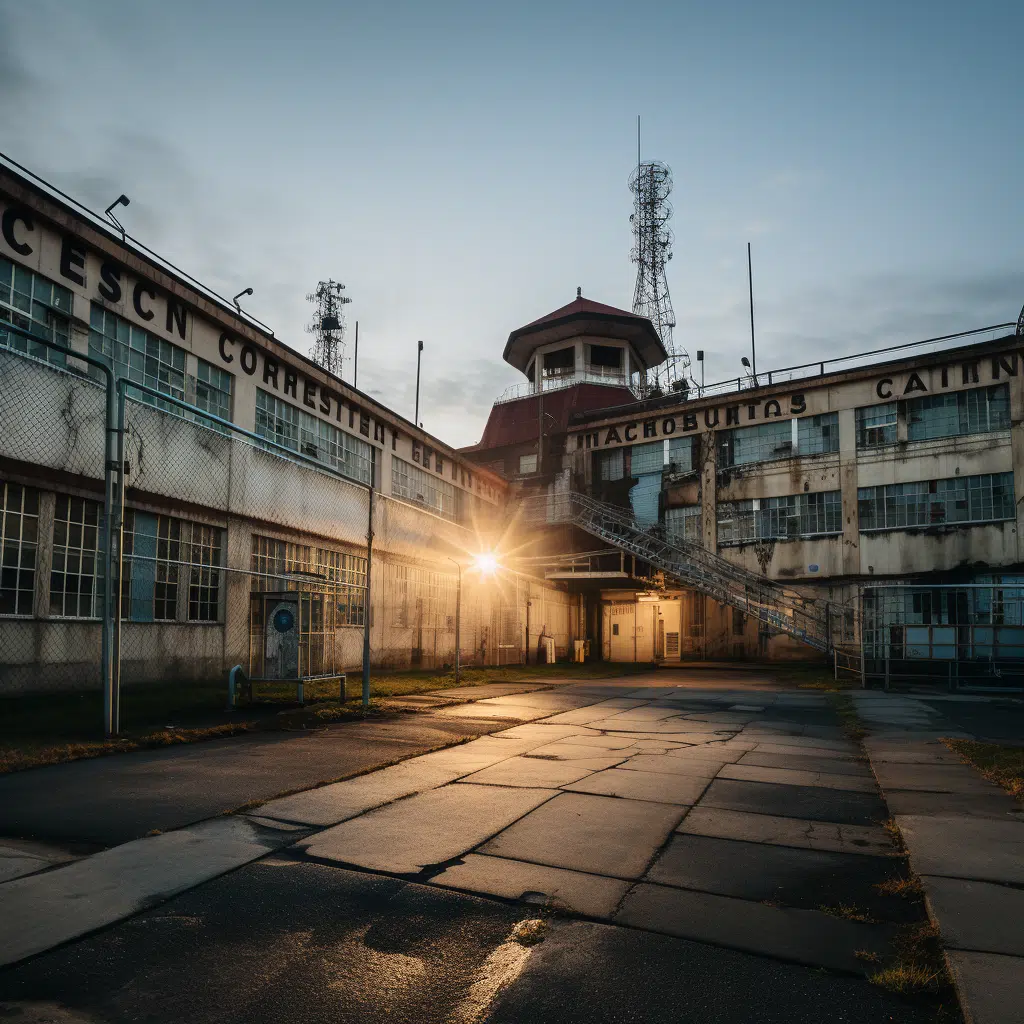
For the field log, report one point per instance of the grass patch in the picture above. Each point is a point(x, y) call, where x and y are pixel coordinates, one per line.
point(848, 912)
point(50, 728)
point(530, 932)
point(905, 888)
point(919, 968)
point(1000, 764)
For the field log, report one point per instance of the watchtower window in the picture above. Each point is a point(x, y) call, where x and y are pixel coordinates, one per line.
point(606, 355)
point(559, 363)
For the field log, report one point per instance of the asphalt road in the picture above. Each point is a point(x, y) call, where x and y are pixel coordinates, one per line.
point(110, 800)
point(284, 941)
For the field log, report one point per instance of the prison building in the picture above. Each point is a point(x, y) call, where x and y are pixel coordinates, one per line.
point(869, 506)
point(247, 472)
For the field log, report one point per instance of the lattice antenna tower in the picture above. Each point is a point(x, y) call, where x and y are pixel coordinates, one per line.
point(328, 325)
point(651, 185)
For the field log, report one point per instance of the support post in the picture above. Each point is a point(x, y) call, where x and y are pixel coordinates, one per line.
point(355, 359)
point(109, 653)
point(366, 599)
point(458, 628)
point(419, 356)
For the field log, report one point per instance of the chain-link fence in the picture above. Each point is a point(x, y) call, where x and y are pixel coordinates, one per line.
point(225, 549)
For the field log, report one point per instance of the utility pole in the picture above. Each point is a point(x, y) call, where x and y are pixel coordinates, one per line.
point(366, 599)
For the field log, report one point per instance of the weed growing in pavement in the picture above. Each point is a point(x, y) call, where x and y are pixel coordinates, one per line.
point(849, 911)
point(907, 888)
point(867, 956)
point(530, 932)
point(895, 835)
point(919, 968)
point(847, 711)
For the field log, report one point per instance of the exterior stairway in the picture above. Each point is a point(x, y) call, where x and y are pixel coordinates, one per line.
point(781, 608)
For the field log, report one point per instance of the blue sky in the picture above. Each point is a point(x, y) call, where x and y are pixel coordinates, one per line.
point(462, 167)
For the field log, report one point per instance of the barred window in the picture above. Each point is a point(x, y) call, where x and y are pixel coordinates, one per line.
point(684, 524)
point(204, 574)
point(411, 483)
point(763, 443)
point(348, 573)
point(277, 421)
point(158, 549)
point(35, 304)
point(876, 425)
point(611, 465)
point(647, 458)
point(964, 412)
point(76, 573)
point(527, 464)
point(315, 438)
point(342, 572)
point(18, 548)
point(138, 355)
point(210, 390)
point(818, 435)
point(783, 518)
point(970, 499)
point(421, 597)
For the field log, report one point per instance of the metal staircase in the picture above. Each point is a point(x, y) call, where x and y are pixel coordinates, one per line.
point(781, 608)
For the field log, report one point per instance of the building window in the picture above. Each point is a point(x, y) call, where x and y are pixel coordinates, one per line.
point(647, 458)
point(559, 364)
point(420, 598)
point(779, 439)
point(684, 524)
point(315, 438)
point(527, 464)
point(31, 302)
point(739, 622)
point(410, 482)
point(204, 574)
point(76, 574)
point(156, 549)
point(876, 425)
point(274, 561)
point(682, 454)
point(965, 412)
point(138, 355)
point(18, 548)
point(611, 465)
point(784, 518)
point(818, 435)
point(210, 390)
point(965, 499)
point(763, 443)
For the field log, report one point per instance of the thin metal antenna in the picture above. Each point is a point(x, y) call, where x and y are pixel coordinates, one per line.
point(750, 283)
point(638, 140)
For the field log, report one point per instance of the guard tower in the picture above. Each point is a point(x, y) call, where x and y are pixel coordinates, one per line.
point(581, 357)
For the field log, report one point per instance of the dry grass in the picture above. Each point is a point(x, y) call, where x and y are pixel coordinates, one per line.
point(919, 968)
point(895, 835)
point(907, 888)
point(847, 911)
point(847, 711)
point(529, 933)
point(999, 764)
point(907, 979)
point(867, 956)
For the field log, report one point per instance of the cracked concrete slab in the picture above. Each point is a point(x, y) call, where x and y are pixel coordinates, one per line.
point(683, 790)
point(593, 834)
point(804, 936)
point(668, 765)
point(575, 891)
point(806, 762)
point(41, 911)
point(529, 772)
point(770, 829)
point(963, 847)
point(796, 777)
point(426, 829)
point(809, 802)
point(979, 916)
point(991, 987)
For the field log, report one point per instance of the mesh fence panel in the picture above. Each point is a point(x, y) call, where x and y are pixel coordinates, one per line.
point(52, 430)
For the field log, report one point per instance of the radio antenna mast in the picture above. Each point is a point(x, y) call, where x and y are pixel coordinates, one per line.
point(651, 184)
point(328, 325)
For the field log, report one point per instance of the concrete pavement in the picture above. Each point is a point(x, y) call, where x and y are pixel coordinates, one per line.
point(710, 816)
point(965, 837)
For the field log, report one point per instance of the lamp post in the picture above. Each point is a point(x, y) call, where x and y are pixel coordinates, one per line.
point(458, 622)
